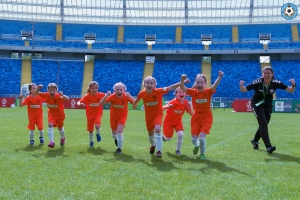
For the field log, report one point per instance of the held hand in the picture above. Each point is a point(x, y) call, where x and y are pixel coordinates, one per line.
point(20, 96)
point(183, 76)
point(108, 93)
point(40, 86)
point(242, 83)
point(61, 93)
point(127, 94)
point(170, 106)
point(220, 73)
point(134, 106)
point(292, 81)
point(188, 105)
point(187, 80)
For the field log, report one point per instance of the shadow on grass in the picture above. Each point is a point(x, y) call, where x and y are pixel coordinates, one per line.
point(55, 152)
point(30, 148)
point(182, 158)
point(94, 151)
point(160, 164)
point(283, 158)
point(222, 167)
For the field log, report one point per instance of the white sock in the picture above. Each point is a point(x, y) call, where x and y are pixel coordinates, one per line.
point(91, 136)
point(202, 145)
point(158, 137)
point(114, 136)
point(151, 140)
point(98, 131)
point(179, 140)
point(31, 135)
point(195, 141)
point(62, 132)
point(120, 139)
point(51, 134)
point(41, 133)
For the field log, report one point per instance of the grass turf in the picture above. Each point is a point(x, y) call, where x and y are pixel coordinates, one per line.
point(233, 169)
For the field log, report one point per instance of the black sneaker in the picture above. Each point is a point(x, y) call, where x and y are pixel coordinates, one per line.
point(152, 149)
point(271, 149)
point(116, 142)
point(254, 144)
point(119, 151)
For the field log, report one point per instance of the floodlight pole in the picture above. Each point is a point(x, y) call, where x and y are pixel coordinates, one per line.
point(186, 11)
point(124, 11)
point(251, 11)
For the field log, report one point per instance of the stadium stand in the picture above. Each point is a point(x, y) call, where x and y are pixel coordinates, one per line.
point(10, 76)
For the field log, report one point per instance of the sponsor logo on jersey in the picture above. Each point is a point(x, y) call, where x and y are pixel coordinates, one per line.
point(152, 103)
point(34, 106)
point(201, 100)
point(52, 106)
point(118, 106)
point(94, 104)
point(178, 111)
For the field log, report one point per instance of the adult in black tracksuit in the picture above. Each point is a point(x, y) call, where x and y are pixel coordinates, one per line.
point(261, 102)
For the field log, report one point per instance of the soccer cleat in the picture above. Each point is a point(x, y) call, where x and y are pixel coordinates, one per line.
point(195, 150)
point(177, 152)
point(51, 144)
point(62, 141)
point(152, 149)
point(98, 137)
point(254, 144)
point(119, 151)
point(159, 154)
point(202, 157)
point(31, 142)
point(42, 140)
point(91, 144)
point(271, 149)
point(116, 142)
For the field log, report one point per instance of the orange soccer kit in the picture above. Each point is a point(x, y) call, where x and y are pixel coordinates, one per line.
point(202, 118)
point(93, 110)
point(56, 114)
point(173, 119)
point(153, 106)
point(35, 112)
point(118, 110)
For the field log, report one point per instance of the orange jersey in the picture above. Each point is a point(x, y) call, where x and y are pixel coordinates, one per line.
point(153, 102)
point(92, 102)
point(34, 107)
point(118, 106)
point(200, 100)
point(55, 105)
point(174, 114)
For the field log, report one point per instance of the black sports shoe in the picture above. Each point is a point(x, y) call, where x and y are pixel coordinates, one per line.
point(271, 149)
point(254, 144)
point(119, 151)
point(152, 149)
point(116, 142)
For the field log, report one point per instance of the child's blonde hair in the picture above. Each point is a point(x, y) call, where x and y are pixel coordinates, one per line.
point(119, 84)
point(52, 85)
point(201, 76)
point(150, 78)
point(90, 85)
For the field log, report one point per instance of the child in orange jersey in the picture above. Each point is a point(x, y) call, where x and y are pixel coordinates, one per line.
point(202, 119)
point(56, 113)
point(118, 112)
point(35, 112)
point(173, 120)
point(152, 100)
point(93, 110)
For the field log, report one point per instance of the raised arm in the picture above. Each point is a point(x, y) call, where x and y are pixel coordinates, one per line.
point(176, 85)
point(38, 89)
point(242, 87)
point(103, 100)
point(217, 81)
point(182, 81)
point(291, 88)
point(65, 97)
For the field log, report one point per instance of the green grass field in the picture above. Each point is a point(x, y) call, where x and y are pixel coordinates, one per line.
point(233, 169)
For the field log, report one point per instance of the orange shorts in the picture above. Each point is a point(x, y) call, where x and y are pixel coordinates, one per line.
point(57, 122)
point(115, 122)
point(92, 122)
point(39, 124)
point(200, 123)
point(150, 123)
point(169, 129)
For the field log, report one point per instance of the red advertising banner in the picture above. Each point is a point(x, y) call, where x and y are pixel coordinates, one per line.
point(242, 106)
point(72, 104)
point(7, 102)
